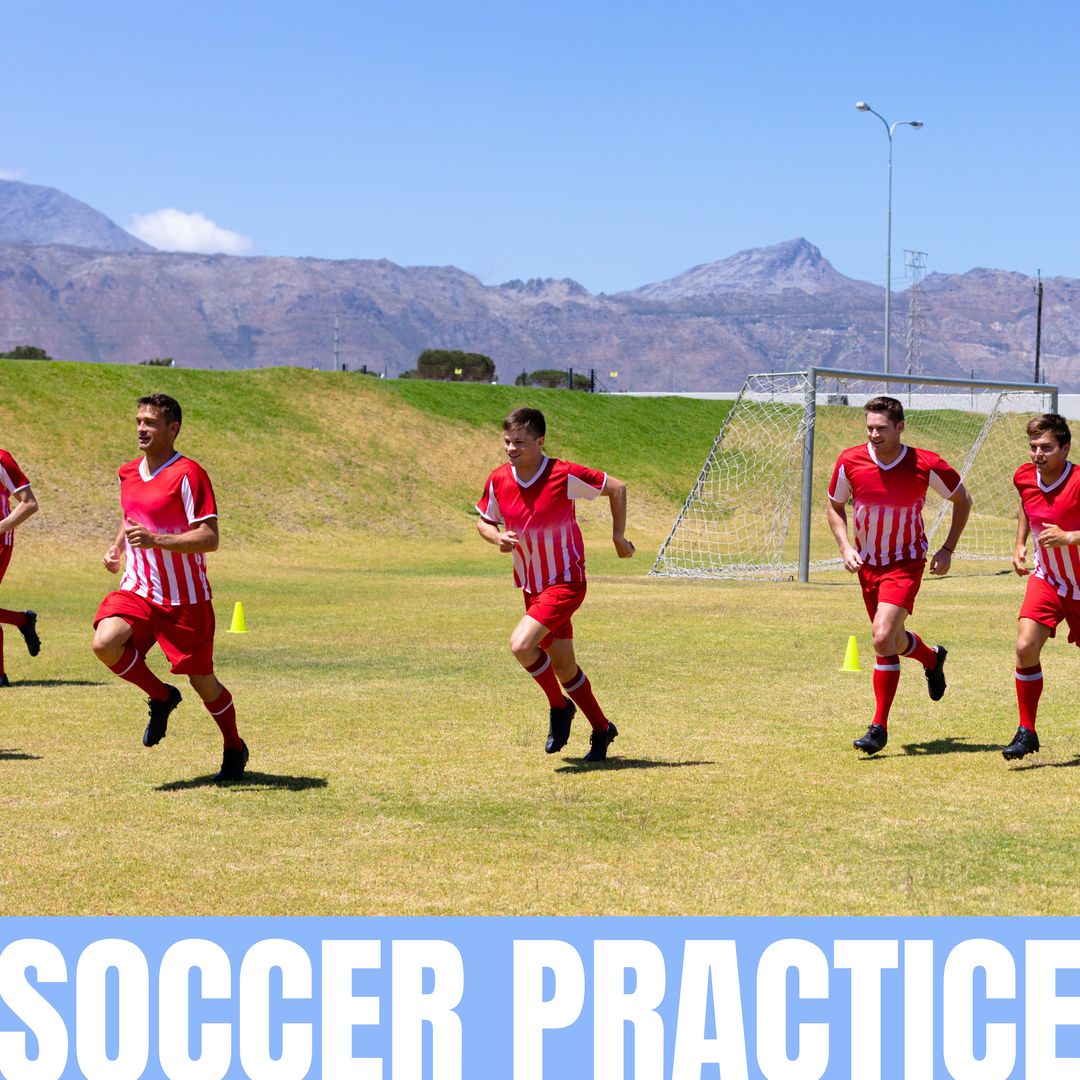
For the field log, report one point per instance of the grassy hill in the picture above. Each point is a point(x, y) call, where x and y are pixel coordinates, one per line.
point(294, 452)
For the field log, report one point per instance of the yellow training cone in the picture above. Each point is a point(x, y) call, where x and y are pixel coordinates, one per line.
point(851, 657)
point(240, 627)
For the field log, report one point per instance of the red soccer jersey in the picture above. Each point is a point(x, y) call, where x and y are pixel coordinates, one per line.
point(172, 499)
point(12, 479)
point(888, 499)
point(1058, 504)
point(541, 512)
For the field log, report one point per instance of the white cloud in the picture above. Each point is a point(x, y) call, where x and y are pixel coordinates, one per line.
point(10, 174)
point(177, 230)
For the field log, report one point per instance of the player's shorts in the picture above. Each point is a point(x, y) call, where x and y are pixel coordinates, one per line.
point(184, 632)
point(897, 583)
point(5, 558)
point(553, 608)
point(1043, 605)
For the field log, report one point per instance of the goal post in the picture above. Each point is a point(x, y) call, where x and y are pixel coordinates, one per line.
point(775, 450)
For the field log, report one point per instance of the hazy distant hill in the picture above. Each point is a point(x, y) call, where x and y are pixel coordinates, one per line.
point(782, 307)
point(30, 214)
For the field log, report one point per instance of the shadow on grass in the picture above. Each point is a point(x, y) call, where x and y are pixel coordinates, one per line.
point(56, 682)
point(626, 763)
point(948, 745)
point(18, 755)
point(1047, 765)
point(253, 781)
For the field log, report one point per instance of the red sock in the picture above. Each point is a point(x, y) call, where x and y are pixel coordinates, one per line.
point(224, 713)
point(1029, 684)
point(918, 651)
point(131, 667)
point(886, 680)
point(544, 674)
point(13, 618)
point(580, 690)
point(1, 650)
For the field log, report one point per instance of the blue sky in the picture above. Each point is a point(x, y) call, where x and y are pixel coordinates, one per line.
point(613, 143)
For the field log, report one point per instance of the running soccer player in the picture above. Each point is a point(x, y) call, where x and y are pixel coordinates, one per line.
point(887, 483)
point(527, 510)
point(1049, 489)
point(14, 488)
point(169, 522)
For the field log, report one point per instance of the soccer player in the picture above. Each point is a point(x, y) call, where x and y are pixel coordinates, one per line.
point(14, 488)
point(169, 522)
point(1049, 489)
point(527, 510)
point(887, 483)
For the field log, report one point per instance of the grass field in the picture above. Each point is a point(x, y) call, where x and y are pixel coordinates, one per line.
point(397, 763)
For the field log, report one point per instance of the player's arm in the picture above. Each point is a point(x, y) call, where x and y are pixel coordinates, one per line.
point(961, 511)
point(1023, 531)
point(25, 504)
point(200, 538)
point(504, 541)
point(837, 514)
point(111, 559)
point(615, 492)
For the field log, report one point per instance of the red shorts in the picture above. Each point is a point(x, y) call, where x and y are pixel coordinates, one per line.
point(553, 608)
point(185, 632)
point(1043, 605)
point(5, 557)
point(897, 583)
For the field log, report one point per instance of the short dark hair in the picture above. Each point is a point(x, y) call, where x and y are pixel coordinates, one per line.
point(887, 406)
point(532, 420)
point(1050, 423)
point(168, 405)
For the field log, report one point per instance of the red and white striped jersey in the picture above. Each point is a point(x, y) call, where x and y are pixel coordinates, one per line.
point(541, 512)
point(888, 499)
point(12, 479)
point(1058, 504)
point(172, 499)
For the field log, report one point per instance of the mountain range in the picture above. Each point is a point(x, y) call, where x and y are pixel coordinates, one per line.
point(73, 282)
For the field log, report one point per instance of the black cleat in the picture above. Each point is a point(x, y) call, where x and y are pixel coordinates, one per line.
point(559, 728)
point(1025, 741)
point(30, 634)
point(935, 676)
point(4, 680)
point(233, 763)
point(159, 717)
point(874, 740)
point(599, 741)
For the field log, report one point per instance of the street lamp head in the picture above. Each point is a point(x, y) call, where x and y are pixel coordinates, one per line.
point(862, 106)
point(916, 123)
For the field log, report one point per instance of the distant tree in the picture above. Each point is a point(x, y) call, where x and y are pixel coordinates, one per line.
point(25, 352)
point(551, 378)
point(446, 364)
point(159, 361)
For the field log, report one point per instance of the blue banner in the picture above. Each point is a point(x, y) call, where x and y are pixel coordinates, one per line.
point(540, 998)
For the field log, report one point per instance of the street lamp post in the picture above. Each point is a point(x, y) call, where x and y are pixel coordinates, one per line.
point(889, 130)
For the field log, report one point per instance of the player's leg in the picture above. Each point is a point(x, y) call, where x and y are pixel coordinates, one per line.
point(525, 644)
point(218, 702)
point(1031, 636)
point(577, 687)
point(123, 634)
point(24, 621)
point(187, 639)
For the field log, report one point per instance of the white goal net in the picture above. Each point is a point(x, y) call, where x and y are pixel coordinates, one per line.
point(757, 509)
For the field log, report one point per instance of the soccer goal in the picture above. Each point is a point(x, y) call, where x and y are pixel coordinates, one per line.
point(771, 463)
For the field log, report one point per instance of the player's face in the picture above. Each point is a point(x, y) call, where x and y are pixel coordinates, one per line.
point(156, 434)
point(882, 433)
point(1048, 455)
point(524, 449)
